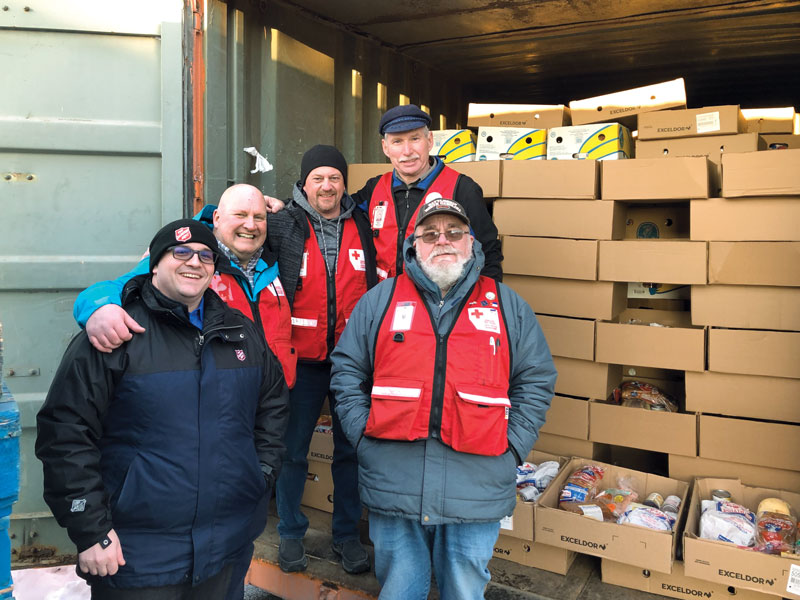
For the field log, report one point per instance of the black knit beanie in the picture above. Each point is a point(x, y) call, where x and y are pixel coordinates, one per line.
point(322, 156)
point(182, 231)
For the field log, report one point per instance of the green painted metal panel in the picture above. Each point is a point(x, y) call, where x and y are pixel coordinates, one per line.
point(91, 164)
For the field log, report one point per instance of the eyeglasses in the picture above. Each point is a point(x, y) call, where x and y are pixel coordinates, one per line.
point(431, 237)
point(185, 253)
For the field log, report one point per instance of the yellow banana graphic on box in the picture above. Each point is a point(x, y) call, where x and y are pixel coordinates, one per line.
point(605, 142)
point(457, 147)
point(530, 146)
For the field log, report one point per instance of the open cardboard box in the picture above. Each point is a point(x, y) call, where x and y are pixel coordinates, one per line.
point(657, 221)
point(575, 219)
point(570, 297)
point(662, 179)
point(520, 524)
point(686, 468)
point(637, 546)
point(551, 257)
point(554, 179)
point(674, 585)
point(656, 261)
point(726, 563)
point(754, 352)
point(677, 344)
point(569, 337)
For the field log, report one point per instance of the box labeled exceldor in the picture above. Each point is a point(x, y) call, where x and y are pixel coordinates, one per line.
point(770, 120)
point(511, 143)
point(601, 141)
point(534, 116)
point(623, 106)
point(691, 122)
point(454, 145)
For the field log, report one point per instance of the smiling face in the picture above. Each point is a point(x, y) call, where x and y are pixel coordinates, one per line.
point(240, 221)
point(443, 261)
point(409, 152)
point(324, 188)
point(183, 281)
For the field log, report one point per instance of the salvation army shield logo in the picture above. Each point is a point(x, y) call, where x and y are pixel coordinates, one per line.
point(183, 234)
point(241, 355)
point(485, 319)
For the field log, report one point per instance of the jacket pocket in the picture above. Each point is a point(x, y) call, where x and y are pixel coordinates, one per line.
point(396, 412)
point(476, 420)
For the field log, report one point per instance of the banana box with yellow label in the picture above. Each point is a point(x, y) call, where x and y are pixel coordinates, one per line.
point(599, 141)
point(511, 143)
point(454, 145)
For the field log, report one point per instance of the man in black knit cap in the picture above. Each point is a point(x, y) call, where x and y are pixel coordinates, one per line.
point(327, 261)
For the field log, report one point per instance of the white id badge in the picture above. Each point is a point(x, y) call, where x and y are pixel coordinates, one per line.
point(378, 216)
point(403, 316)
point(304, 266)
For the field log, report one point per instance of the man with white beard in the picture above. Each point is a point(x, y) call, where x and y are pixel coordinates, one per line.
point(442, 378)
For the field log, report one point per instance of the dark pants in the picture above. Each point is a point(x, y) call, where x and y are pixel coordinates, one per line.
point(305, 405)
point(213, 588)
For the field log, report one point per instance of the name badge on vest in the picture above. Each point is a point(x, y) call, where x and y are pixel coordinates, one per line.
point(403, 316)
point(378, 216)
point(276, 288)
point(304, 266)
point(356, 257)
point(485, 319)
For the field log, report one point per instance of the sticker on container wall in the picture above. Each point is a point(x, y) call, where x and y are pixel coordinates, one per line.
point(707, 122)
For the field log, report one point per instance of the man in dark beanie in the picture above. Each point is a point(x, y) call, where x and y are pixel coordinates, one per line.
point(160, 456)
point(324, 246)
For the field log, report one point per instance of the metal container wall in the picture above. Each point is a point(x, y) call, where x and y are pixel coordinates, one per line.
point(9, 476)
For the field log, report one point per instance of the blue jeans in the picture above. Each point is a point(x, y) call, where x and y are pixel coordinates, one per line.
point(305, 405)
point(405, 550)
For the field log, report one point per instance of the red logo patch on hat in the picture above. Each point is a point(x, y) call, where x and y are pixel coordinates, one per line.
point(184, 234)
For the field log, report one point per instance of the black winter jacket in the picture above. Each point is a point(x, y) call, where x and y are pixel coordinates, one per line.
point(173, 440)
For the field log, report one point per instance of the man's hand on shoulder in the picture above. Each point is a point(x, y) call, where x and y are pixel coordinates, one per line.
point(104, 558)
point(273, 204)
point(110, 326)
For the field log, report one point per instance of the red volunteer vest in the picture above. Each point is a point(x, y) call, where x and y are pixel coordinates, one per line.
point(273, 315)
point(310, 309)
point(383, 219)
point(465, 404)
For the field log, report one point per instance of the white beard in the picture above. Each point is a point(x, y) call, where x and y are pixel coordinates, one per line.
point(444, 275)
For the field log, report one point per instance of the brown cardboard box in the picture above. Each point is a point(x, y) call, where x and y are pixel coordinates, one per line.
point(725, 563)
point(623, 106)
point(636, 546)
point(754, 263)
point(648, 179)
point(746, 306)
point(318, 492)
point(538, 556)
point(566, 446)
point(674, 433)
point(656, 261)
point(746, 219)
point(771, 173)
point(359, 173)
point(764, 443)
point(569, 337)
point(570, 297)
point(568, 417)
point(770, 120)
point(575, 219)
point(551, 257)
point(751, 396)
point(554, 179)
point(780, 139)
point(711, 147)
point(657, 221)
point(585, 378)
point(520, 523)
point(540, 116)
point(674, 585)
point(687, 468)
point(691, 122)
point(752, 352)
point(679, 345)
point(485, 173)
point(321, 447)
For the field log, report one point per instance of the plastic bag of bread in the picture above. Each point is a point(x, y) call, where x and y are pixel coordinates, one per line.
point(581, 488)
point(638, 394)
point(776, 527)
point(614, 502)
point(727, 522)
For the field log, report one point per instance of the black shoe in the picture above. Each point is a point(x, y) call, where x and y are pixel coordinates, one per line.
point(354, 557)
point(292, 555)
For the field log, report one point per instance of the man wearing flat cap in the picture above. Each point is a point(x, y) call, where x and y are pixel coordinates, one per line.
point(442, 379)
point(159, 456)
point(324, 246)
point(392, 200)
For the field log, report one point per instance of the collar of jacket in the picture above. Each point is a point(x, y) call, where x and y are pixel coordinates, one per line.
point(423, 183)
